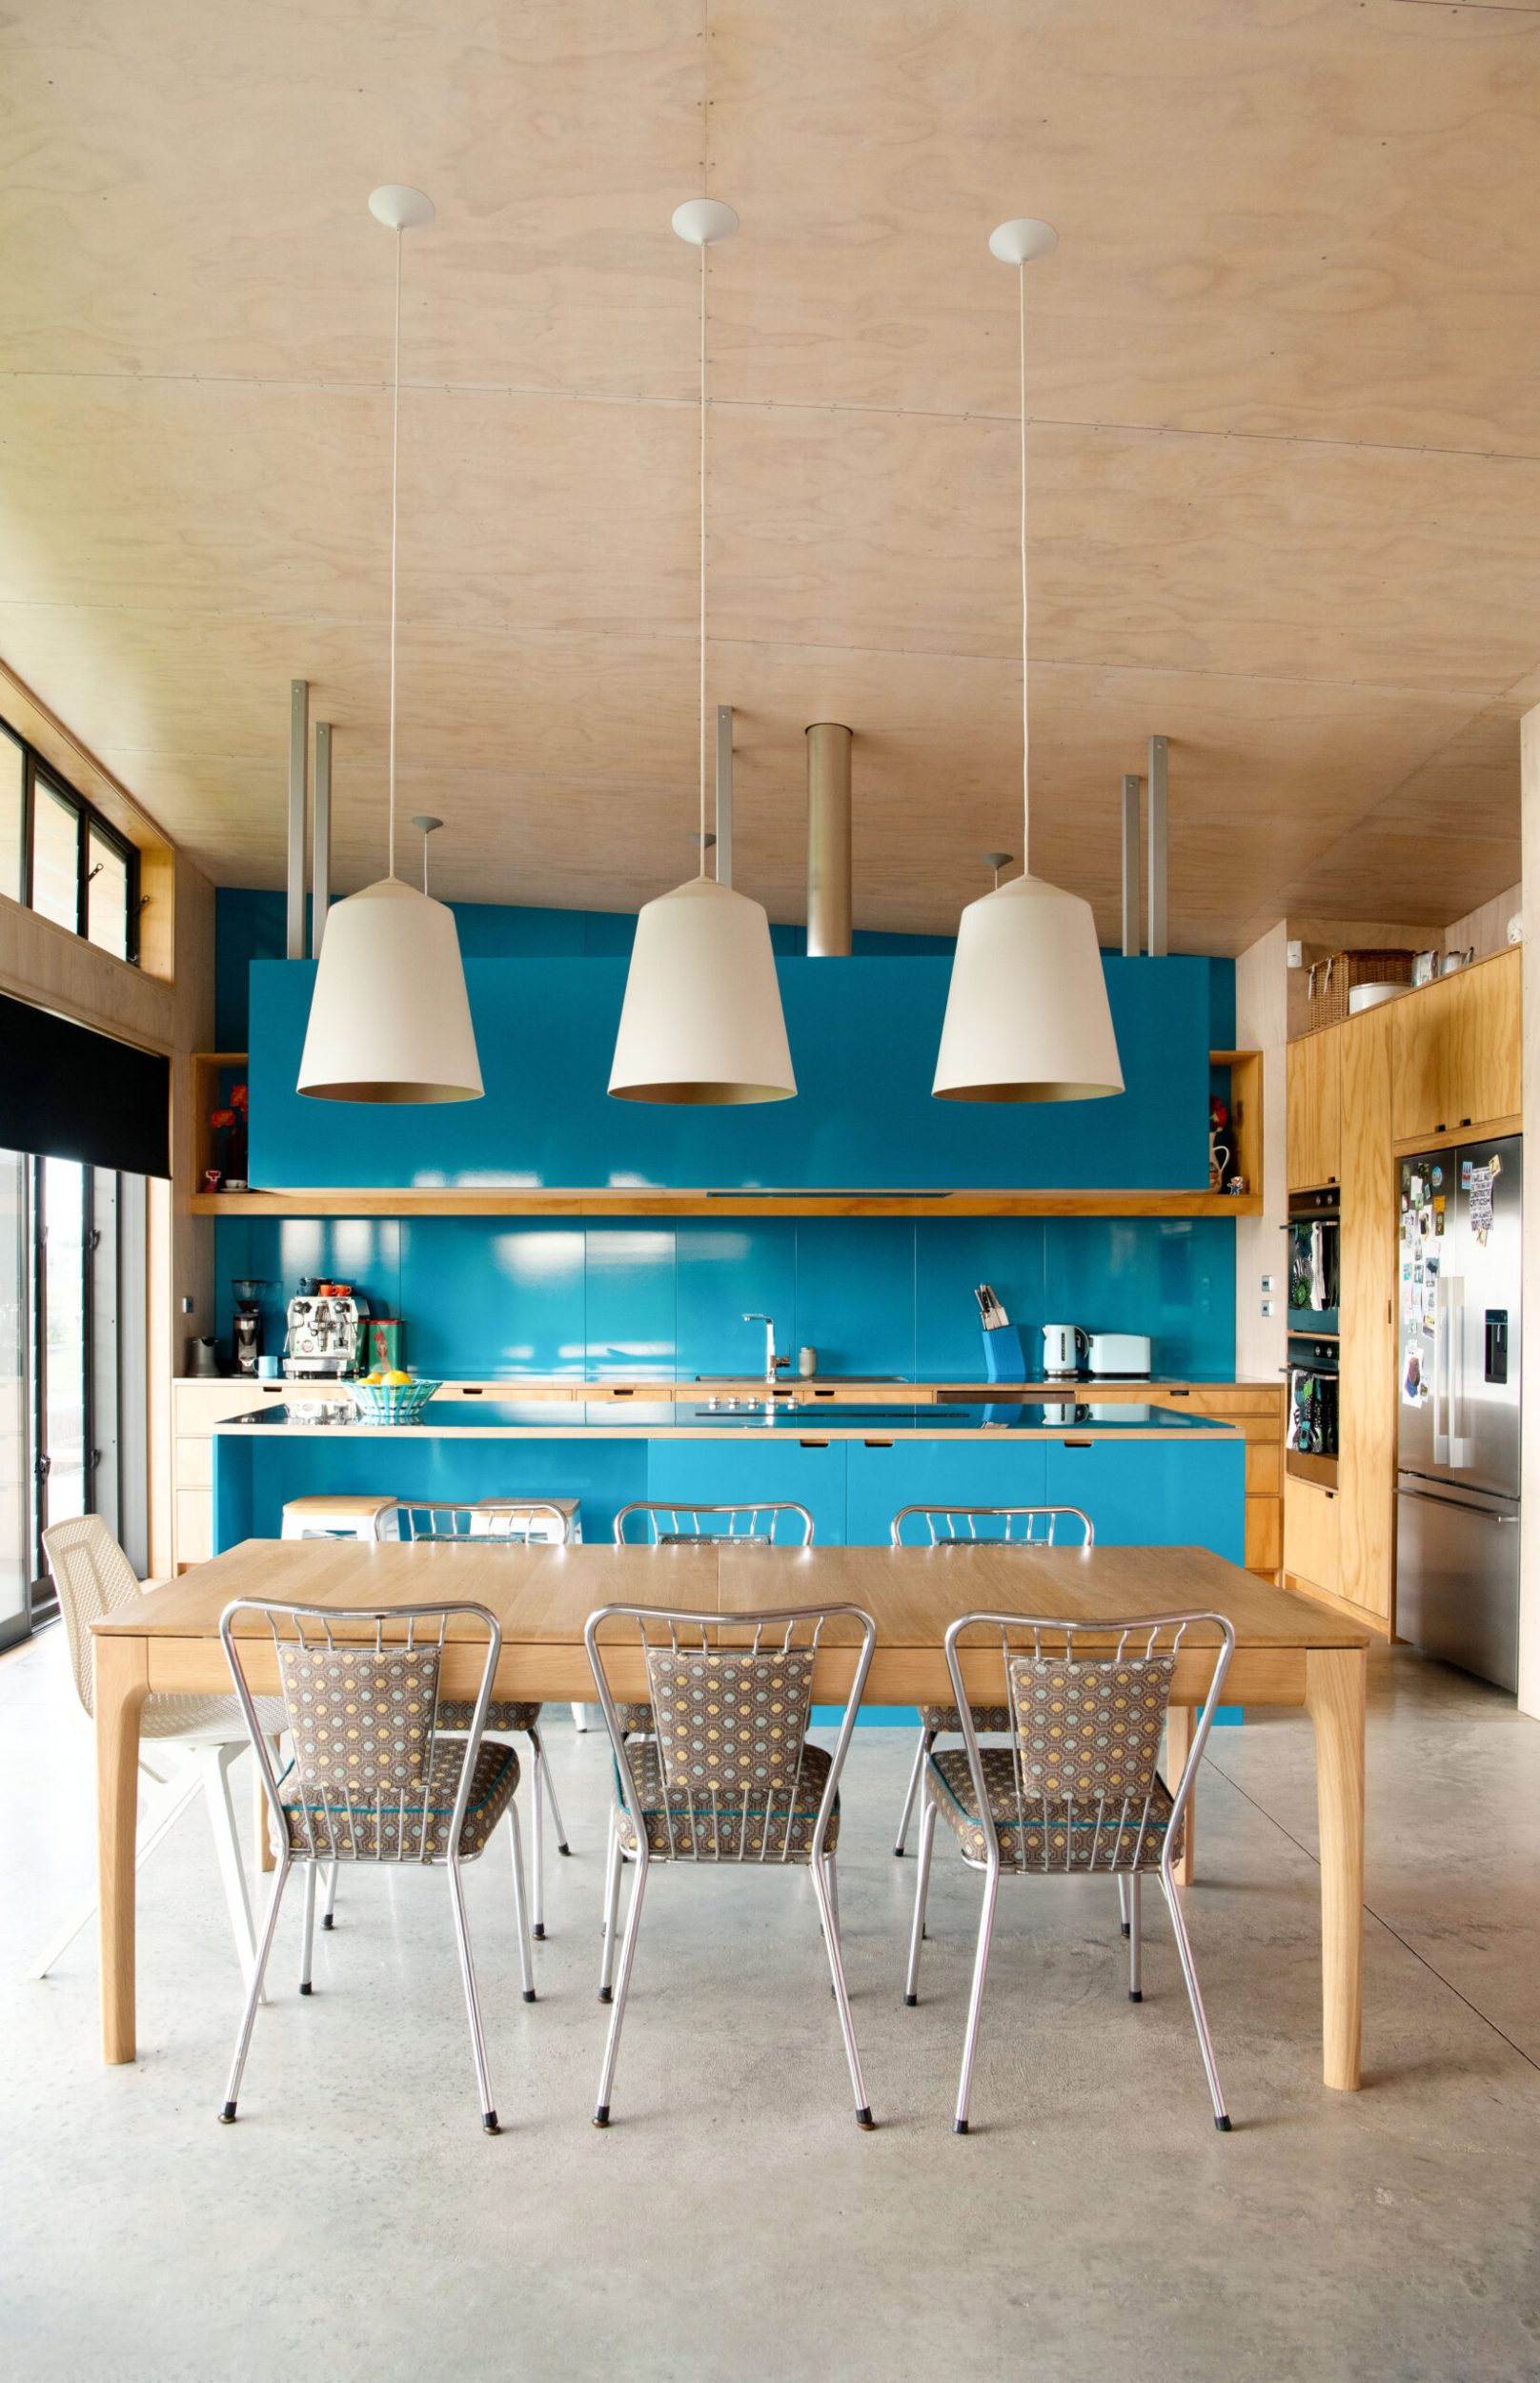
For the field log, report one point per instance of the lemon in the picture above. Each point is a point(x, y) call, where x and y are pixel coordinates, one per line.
point(398, 1381)
point(373, 1381)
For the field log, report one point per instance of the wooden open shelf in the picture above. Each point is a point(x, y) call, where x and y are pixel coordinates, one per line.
point(598, 1201)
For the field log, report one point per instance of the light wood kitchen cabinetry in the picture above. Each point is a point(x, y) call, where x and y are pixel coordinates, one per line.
point(196, 1407)
point(1455, 1052)
point(1315, 1109)
point(1365, 1463)
point(1312, 1534)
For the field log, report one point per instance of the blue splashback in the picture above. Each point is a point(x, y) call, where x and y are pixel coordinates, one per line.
point(487, 1296)
point(863, 1037)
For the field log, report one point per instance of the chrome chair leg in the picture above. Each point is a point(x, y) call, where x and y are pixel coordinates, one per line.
point(543, 1760)
point(243, 2040)
point(537, 1831)
point(928, 1739)
point(479, 2048)
point(1179, 1929)
point(310, 1870)
point(981, 1971)
point(526, 1960)
point(612, 1915)
point(612, 2043)
point(832, 1877)
point(1122, 1902)
point(837, 1970)
point(1134, 1931)
point(927, 1841)
point(328, 1915)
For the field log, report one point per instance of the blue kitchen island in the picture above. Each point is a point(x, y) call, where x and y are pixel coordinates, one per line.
point(1145, 1477)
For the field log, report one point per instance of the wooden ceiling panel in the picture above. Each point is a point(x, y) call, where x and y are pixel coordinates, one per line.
point(1284, 461)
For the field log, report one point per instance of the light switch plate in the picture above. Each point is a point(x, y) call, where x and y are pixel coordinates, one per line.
point(1266, 1284)
point(1267, 1307)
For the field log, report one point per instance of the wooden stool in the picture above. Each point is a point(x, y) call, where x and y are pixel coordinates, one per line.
point(331, 1517)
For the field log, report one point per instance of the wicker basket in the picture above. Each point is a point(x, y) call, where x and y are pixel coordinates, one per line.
point(1333, 980)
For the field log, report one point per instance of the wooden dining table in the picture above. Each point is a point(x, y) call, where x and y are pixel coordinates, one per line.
point(1288, 1651)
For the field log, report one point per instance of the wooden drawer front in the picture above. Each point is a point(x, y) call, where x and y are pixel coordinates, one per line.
point(1264, 1468)
point(486, 1392)
point(194, 1526)
point(1249, 1398)
point(195, 1464)
point(1312, 1534)
point(1264, 1534)
point(200, 1405)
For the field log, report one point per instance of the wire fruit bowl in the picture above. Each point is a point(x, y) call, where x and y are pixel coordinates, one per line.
point(392, 1403)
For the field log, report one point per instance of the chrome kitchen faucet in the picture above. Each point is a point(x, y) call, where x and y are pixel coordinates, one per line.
point(770, 1360)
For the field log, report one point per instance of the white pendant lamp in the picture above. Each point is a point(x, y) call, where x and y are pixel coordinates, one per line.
point(701, 1023)
point(1026, 1012)
point(389, 1017)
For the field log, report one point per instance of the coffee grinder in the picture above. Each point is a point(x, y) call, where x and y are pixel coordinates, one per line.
point(245, 1330)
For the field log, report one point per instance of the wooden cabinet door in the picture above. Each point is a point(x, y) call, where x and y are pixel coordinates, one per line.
point(1366, 1471)
point(1423, 1035)
point(1486, 1080)
point(1311, 1536)
point(1315, 1109)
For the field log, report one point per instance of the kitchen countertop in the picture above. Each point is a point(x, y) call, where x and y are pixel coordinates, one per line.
point(1015, 1418)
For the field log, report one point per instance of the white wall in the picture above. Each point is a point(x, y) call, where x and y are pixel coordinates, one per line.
point(1262, 1024)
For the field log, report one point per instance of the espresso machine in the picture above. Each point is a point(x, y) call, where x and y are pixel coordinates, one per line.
point(327, 1321)
point(246, 1327)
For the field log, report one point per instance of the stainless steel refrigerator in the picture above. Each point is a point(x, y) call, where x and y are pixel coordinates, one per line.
point(1457, 1477)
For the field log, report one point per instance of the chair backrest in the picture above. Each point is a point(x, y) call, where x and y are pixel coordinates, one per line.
point(518, 1521)
point(731, 1721)
point(668, 1525)
point(1016, 1526)
point(1087, 1702)
point(94, 1578)
point(360, 1691)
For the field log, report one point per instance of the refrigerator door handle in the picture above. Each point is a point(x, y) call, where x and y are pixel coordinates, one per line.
point(1451, 1445)
point(1441, 1435)
point(1432, 1497)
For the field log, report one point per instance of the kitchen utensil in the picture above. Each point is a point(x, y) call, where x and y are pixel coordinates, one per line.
point(1064, 1348)
point(807, 1363)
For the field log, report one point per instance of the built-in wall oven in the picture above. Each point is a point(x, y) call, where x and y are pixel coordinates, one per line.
point(1314, 1267)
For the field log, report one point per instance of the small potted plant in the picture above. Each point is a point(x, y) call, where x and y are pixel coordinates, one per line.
point(231, 1122)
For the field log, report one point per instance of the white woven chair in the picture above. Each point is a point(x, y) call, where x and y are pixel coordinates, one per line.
point(94, 1577)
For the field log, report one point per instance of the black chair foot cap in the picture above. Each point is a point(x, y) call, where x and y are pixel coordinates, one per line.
point(227, 2116)
point(327, 1920)
point(898, 1853)
point(307, 1988)
point(1124, 1929)
point(909, 2001)
point(489, 2122)
point(960, 2126)
point(1223, 2126)
point(602, 2116)
point(1134, 1994)
point(563, 1847)
point(538, 1930)
point(605, 1994)
point(529, 1994)
point(866, 2122)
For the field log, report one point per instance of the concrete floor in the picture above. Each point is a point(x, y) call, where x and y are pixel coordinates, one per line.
point(734, 2223)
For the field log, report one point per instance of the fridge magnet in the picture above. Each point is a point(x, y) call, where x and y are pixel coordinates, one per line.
point(1413, 1389)
point(1438, 1177)
point(1468, 1168)
point(1481, 1200)
point(1438, 1217)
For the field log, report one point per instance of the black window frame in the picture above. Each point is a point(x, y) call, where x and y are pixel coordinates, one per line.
point(89, 822)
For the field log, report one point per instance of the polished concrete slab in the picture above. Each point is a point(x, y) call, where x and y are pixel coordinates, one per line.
point(734, 2223)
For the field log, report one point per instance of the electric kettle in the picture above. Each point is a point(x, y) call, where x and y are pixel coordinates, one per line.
point(1065, 1348)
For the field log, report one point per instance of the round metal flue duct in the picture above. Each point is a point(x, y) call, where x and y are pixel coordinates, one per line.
point(829, 840)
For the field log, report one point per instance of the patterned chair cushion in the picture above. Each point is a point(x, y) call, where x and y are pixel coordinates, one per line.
point(362, 1718)
point(457, 1712)
point(635, 1719)
point(947, 1717)
point(730, 1723)
point(700, 1835)
point(1089, 1729)
point(1059, 1835)
point(320, 1815)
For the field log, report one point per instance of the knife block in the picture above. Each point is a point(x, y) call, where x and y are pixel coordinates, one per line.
point(1005, 1354)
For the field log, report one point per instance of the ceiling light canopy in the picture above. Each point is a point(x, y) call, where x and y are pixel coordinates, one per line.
point(1026, 1010)
point(390, 1021)
point(701, 1023)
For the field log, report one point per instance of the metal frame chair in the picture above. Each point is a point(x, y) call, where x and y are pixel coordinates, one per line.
point(509, 1522)
point(637, 1717)
point(94, 1577)
point(1131, 1826)
point(696, 1816)
point(947, 1720)
point(326, 1821)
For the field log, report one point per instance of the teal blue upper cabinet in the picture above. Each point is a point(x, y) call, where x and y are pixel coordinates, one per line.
point(863, 1038)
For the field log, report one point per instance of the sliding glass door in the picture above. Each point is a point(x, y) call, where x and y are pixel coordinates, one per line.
point(16, 1536)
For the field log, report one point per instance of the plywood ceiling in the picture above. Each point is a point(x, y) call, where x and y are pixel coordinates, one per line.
point(1286, 457)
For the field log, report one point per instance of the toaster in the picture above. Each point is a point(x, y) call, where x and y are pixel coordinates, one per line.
point(1118, 1357)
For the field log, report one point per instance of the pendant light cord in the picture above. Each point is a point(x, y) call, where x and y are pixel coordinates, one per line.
point(1026, 728)
point(396, 476)
point(703, 558)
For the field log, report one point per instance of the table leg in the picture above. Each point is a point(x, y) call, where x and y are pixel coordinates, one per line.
point(1335, 1691)
point(122, 1683)
point(1180, 1721)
